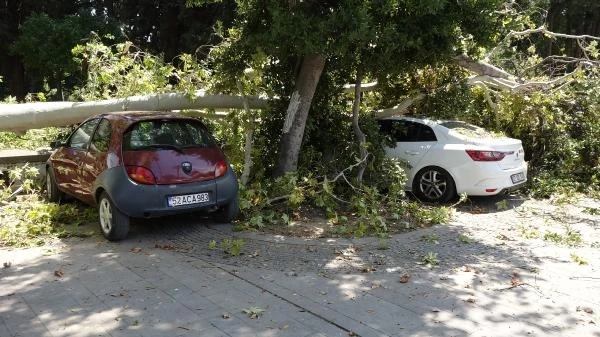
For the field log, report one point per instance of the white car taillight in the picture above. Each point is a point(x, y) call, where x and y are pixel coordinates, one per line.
point(479, 155)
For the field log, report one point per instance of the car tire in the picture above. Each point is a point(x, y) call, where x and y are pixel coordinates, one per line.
point(53, 194)
point(434, 184)
point(228, 213)
point(113, 223)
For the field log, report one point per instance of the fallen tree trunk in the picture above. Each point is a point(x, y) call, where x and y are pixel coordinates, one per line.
point(21, 117)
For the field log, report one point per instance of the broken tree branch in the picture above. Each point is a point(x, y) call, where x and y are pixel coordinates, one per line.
point(546, 32)
point(401, 108)
point(364, 87)
point(360, 136)
point(17, 117)
point(481, 67)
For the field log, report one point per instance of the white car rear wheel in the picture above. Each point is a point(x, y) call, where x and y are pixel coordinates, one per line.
point(434, 184)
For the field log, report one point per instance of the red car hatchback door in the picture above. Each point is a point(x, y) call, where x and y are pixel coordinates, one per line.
point(172, 151)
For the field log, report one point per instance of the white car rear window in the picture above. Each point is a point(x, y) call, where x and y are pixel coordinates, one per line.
point(467, 129)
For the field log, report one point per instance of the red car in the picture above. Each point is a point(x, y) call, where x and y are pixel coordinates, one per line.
point(142, 165)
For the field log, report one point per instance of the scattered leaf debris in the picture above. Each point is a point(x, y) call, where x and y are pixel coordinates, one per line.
point(164, 247)
point(515, 280)
point(587, 310)
point(135, 250)
point(59, 273)
point(254, 312)
point(404, 278)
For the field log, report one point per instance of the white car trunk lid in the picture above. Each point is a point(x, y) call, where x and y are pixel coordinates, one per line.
point(512, 148)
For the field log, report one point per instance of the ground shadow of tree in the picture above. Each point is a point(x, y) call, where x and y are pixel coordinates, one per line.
point(485, 287)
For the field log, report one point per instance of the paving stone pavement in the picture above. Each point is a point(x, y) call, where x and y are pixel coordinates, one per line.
point(165, 281)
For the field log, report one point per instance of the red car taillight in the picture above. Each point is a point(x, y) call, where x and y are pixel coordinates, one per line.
point(220, 169)
point(478, 155)
point(141, 175)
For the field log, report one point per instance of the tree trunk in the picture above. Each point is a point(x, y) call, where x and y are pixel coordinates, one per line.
point(19, 117)
point(249, 135)
point(360, 136)
point(297, 112)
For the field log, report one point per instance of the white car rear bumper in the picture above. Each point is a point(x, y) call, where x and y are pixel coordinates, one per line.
point(488, 179)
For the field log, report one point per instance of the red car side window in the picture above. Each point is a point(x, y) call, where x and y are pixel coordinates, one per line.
point(80, 138)
point(101, 139)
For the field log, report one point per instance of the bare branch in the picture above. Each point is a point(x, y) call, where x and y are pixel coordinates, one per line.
point(279, 198)
point(360, 136)
point(543, 85)
point(341, 174)
point(364, 87)
point(401, 108)
point(338, 176)
point(546, 32)
point(488, 98)
point(515, 87)
point(481, 67)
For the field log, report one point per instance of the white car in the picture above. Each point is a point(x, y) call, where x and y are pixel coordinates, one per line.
point(446, 158)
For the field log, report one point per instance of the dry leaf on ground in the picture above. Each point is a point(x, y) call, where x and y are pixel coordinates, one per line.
point(404, 278)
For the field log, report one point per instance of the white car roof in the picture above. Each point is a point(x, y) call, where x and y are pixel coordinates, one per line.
point(413, 119)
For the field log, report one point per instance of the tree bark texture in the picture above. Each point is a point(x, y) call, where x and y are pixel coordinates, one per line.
point(297, 112)
point(249, 138)
point(19, 117)
point(360, 136)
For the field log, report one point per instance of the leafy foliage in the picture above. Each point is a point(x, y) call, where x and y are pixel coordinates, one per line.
point(430, 260)
point(352, 209)
point(123, 70)
point(27, 220)
point(232, 247)
point(45, 44)
point(406, 46)
point(31, 140)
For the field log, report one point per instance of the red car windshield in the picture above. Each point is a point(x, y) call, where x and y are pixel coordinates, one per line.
point(167, 133)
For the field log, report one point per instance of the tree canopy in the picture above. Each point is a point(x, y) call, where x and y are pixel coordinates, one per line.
point(528, 68)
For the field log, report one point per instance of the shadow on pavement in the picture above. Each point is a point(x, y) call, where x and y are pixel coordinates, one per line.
point(167, 279)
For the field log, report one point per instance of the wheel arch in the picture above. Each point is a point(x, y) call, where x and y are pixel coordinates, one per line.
point(98, 193)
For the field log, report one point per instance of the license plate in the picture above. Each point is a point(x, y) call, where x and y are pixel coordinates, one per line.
point(187, 199)
point(517, 178)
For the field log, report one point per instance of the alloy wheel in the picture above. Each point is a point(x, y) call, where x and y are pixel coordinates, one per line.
point(433, 184)
point(106, 216)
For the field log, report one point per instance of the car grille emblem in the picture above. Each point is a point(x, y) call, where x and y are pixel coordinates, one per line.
point(186, 166)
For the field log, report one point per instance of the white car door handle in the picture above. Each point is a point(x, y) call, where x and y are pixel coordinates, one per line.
point(412, 153)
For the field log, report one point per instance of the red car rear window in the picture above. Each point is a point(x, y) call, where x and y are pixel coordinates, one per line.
point(166, 133)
